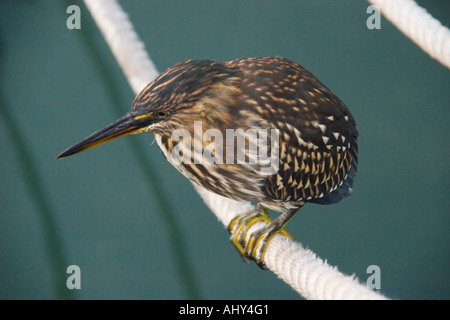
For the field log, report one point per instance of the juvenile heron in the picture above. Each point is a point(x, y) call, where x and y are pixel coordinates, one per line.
point(193, 106)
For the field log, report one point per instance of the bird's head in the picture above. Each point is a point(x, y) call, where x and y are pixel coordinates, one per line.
point(168, 102)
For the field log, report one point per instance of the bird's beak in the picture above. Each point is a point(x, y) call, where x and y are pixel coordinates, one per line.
point(129, 124)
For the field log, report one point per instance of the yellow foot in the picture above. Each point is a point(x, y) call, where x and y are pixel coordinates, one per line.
point(258, 240)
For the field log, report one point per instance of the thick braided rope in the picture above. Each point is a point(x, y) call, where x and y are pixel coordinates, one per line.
point(124, 42)
point(417, 24)
point(299, 267)
point(307, 274)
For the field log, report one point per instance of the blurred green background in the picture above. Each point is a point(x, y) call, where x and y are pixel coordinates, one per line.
point(97, 210)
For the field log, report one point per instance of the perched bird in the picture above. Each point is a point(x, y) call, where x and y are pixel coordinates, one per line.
point(218, 122)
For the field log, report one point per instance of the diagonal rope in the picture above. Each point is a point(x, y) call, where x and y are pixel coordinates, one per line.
point(309, 275)
point(418, 25)
point(299, 267)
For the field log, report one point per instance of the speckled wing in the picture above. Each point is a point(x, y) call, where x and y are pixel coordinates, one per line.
point(318, 136)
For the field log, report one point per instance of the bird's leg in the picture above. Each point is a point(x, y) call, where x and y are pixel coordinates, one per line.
point(240, 226)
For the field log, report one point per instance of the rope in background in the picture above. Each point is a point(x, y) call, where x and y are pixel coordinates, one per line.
point(417, 24)
point(309, 275)
point(124, 42)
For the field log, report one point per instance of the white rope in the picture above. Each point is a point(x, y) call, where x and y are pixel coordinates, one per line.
point(307, 274)
point(417, 24)
point(124, 42)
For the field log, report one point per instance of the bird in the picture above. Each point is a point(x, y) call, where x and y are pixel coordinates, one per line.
point(218, 122)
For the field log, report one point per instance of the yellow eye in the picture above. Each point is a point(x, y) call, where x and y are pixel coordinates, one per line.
point(162, 114)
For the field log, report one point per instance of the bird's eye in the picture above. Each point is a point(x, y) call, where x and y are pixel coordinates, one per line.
point(162, 114)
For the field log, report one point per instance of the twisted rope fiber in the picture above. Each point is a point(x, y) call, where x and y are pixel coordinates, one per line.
point(417, 24)
point(309, 275)
point(306, 273)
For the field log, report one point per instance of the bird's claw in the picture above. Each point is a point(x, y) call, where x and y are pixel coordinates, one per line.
point(253, 246)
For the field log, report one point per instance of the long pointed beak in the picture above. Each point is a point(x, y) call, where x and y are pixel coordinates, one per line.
point(128, 124)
